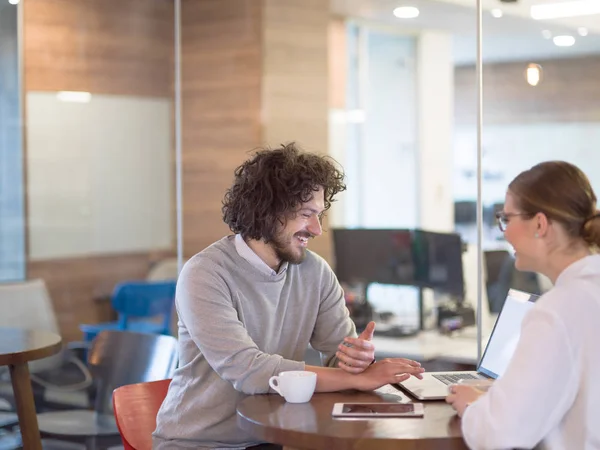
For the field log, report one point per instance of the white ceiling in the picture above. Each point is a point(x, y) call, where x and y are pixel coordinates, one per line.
point(521, 8)
point(514, 37)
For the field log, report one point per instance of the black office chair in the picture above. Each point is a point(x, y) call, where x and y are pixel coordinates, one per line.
point(503, 275)
point(116, 358)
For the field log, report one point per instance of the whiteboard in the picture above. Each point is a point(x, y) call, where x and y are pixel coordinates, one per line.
point(99, 175)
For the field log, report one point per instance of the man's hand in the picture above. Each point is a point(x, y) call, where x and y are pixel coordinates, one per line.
point(387, 371)
point(356, 354)
point(462, 396)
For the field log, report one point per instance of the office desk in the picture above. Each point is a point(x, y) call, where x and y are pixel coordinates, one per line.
point(17, 348)
point(310, 425)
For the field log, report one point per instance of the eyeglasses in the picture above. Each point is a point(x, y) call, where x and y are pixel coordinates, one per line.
point(504, 218)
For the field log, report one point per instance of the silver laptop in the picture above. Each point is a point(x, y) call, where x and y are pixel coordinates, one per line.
point(498, 351)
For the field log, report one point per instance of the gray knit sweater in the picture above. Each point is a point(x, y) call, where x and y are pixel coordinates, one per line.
point(237, 327)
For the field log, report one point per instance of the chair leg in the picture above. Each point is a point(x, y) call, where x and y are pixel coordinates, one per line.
point(91, 443)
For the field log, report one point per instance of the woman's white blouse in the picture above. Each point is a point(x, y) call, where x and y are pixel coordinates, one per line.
point(550, 392)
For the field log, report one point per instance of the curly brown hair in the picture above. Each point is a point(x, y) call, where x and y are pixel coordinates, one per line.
point(269, 187)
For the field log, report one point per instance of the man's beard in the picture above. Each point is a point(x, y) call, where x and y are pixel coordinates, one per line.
point(285, 251)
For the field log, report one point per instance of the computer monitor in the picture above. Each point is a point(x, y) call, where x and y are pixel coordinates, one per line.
point(374, 256)
point(438, 262)
point(502, 275)
point(465, 212)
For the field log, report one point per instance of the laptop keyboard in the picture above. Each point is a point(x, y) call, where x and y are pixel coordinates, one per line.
point(453, 378)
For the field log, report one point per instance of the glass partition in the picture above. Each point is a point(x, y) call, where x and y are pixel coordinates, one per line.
point(88, 181)
point(12, 204)
point(540, 103)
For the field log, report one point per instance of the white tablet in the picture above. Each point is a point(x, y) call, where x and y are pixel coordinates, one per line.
point(380, 409)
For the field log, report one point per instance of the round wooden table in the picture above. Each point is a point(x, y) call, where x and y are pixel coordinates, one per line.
point(17, 348)
point(310, 425)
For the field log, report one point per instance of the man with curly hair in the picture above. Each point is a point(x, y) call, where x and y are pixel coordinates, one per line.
point(251, 303)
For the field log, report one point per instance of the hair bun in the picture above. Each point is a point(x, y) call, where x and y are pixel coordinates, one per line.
point(590, 229)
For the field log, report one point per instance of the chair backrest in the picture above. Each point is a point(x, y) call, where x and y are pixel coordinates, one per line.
point(165, 269)
point(27, 305)
point(118, 358)
point(136, 407)
point(494, 261)
point(134, 299)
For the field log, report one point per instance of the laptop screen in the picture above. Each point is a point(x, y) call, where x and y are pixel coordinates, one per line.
point(506, 333)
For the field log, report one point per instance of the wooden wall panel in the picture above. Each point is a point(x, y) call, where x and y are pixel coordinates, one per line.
point(570, 91)
point(295, 80)
point(74, 283)
point(338, 67)
point(101, 46)
point(221, 85)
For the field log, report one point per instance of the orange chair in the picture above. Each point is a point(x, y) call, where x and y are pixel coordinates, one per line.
point(136, 407)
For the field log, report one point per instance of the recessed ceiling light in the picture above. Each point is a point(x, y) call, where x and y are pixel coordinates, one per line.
point(533, 74)
point(583, 31)
point(547, 34)
point(563, 41)
point(406, 12)
point(565, 9)
point(497, 13)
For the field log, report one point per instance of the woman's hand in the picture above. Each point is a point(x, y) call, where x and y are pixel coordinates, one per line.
point(387, 371)
point(462, 396)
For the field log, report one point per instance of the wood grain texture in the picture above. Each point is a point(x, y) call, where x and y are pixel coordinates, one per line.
point(310, 425)
point(73, 283)
point(221, 110)
point(99, 46)
point(569, 92)
point(104, 47)
point(23, 392)
point(17, 348)
point(338, 66)
point(20, 346)
point(234, 100)
point(295, 81)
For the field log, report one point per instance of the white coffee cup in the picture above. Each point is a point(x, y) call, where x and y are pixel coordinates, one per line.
point(296, 386)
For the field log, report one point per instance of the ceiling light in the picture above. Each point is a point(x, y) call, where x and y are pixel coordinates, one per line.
point(533, 74)
point(406, 12)
point(547, 34)
point(565, 9)
point(74, 96)
point(583, 31)
point(497, 13)
point(13, 2)
point(563, 41)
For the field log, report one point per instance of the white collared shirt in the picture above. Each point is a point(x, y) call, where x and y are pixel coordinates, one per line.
point(248, 254)
point(550, 392)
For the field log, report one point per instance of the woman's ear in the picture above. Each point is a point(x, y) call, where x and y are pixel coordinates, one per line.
point(542, 224)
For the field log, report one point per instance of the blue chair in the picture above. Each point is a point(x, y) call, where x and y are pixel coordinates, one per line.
point(136, 300)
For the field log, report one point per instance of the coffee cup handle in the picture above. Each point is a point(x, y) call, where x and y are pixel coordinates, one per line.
point(274, 383)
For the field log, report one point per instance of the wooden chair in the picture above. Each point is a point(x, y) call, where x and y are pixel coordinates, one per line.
point(135, 407)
